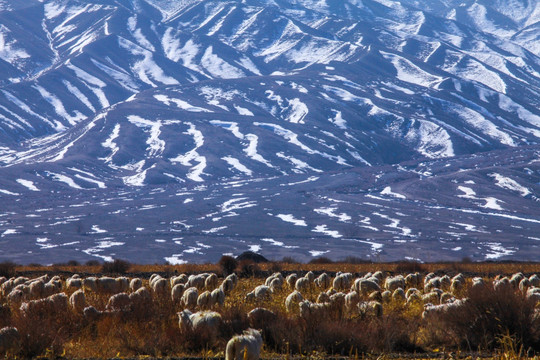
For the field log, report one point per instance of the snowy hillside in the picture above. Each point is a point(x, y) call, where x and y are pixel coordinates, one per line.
point(194, 128)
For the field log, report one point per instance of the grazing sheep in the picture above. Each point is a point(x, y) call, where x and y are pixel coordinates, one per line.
point(291, 280)
point(189, 298)
point(262, 292)
point(36, 289)
point(398, 296)
point(211, 282)
point(478, 283)
point(250, 297)
point(90, 284)
point(3, 279)
point(244, 347)
point(180, 279)
point(218, 297)
point(411, 291)
point(140, 298)
point(234, 278)
point(9, 340)
point(227, 286)
point(386, 296)
point(107, 285)
point(197, 281)
point(204, 301)
point(176, 293)
point(534, 280)
point(323, 298)
point(260, 317)
point(502, 284)
point(309, 310)
point(533, 294)
point(370, 308)
point(91, 313)
point(365, 287)
point(15, 297)
point(375, 296)
point(414, 299)
point(159, 286)
point(378, 275)
point(351, 300)
point(52, 287)
point(269, 279)
point(73, 283)
point(135, 284)
point(457, 286)
point(393, 282)
point(119, 302)
point(77, 301)
point(433, 297)
point(429, 277)
point(292, 300)
point(524, 285)
point(323, 281)
point(433, 311)
point(276, 284)
point(203, 323)
point(310, 276)
point(515, 279)
point(412, 280)
point(432, 284)
point(445, 282)
point(342, 281)
point(302, 284)
point(54, 304)
point(447, 297)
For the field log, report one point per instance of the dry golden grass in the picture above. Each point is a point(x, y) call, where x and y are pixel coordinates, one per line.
point(153, 331)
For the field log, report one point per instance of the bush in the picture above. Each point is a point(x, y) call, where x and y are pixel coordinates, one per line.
point(491, 315)
point(248, 268)
point(73, 263)
point(92, 263)
point(321, 260)
point(289, 260)
point(116, 267)
point(409, 267)
point(227, 264)
point(7, 269)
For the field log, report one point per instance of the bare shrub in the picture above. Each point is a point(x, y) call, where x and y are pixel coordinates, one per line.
point(409, 267)
point(227, 264)
point(7, 269)
point(116, 267)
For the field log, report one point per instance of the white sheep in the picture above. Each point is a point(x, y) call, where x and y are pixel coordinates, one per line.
point(234, 278)
point(159, 286)
point(524, 285)
point(202, 322)
point(73, 283)
point(370, 308)
point(211, 282)
point(445, 282)
point(276, 284)
point(77, 301)
point(393, 282)
point(244, 347)
point(323, 298)
point(503, 284)
point(412, 280)
point(534, 280)
point(218, 297)
point(135, 284)
point(398, 296)
point(309, 310)
point(90, 284)
point(9, 340)
point(204, 301)
point(119, 302)
point(302, 284)
point(351, 300)
point(180, 279)
point(432, 284)
point(365, 287)
point(292, 300)
point(433, 311)
point(323, 281)
point(342, 281)
point(478, 283)
point(227, 286)
point(291, 280)
point(107, 285)
point(310, 276)
point(260, 317)
point(36, 289)
point(262, 292)
point(176, 293)
point(197, 281)
point(189, 298)
point(140, 298)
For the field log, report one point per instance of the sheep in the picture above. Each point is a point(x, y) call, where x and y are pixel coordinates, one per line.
point(386, 296)
point(244, 347)
point(378, 275)
point(323, 281)
point(310, 276)
point(73, 283)
point(342, 281)
point(478, 283)
point(90, 284)
point(291, 280)
point(135, 284)
point(533, 293)
point(323, 298)
point(234, 278)
point(411, 291)
point(432, 297)
point(197, 281)
point(515, 279)
point(309, 310)
point(351, 300)
point(21, 280)
point(227, 286)
point(107, 285)
point(176, 293)
point(7, 286)
point(189, 298)
point(445, 282)
point(119, 302)
point(218, 297)
point(434, 283)
point(211, 282)
point(276, 284)
point(524, 285)
point(429, 277)
point(375, 296)
point(414, 299)
point(140, 298)
point(433, 311)
point(180, 279)
point(365, 287)
point(447, 297)
point(203, 323)
point(260, 317)
point(250, 297)
point(3, 279)
point(159, 286)
point(534, 280)
point(54, 304)
point(370, 308)
point(15, 297)
point(398, 296)
point(292, 300)
point(204, 301)
point(457, 285)
point(393, 282)
point(36, 289)
point(412, 280)
point(77, 301)
point(91, 313)
point(10, 340)
point(502, 284)
point(302, 284)
point(262, 292)
point(272, 277)
point(52, 287)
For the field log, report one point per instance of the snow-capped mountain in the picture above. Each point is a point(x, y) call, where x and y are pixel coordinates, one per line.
point(375, 128)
